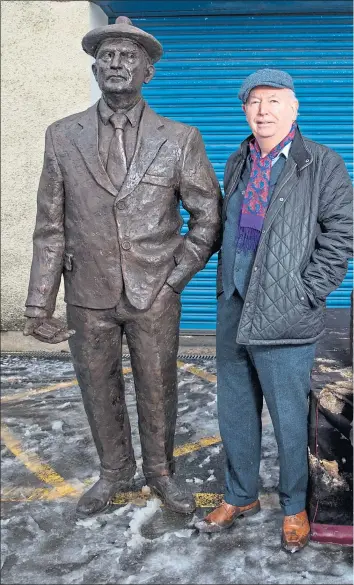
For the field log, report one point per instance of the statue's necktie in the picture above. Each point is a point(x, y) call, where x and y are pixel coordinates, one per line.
point(117, 161)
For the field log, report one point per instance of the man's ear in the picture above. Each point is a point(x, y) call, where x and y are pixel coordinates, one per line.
point(94, 70)
point(295, 108)
point(244, 107)
point(150, 72)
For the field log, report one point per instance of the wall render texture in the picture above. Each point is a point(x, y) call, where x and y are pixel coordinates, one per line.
point(45, 76)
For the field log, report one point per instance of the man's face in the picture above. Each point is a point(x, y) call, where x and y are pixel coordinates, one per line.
point(121, 67)
point(270, 112)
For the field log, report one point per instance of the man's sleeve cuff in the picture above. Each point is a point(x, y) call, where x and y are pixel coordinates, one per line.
point(36, 312)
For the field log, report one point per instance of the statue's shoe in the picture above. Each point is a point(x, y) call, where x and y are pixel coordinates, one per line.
point(175, 496)
point(99, 497)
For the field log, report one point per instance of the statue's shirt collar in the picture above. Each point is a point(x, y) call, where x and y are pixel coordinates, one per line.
point(133, 115)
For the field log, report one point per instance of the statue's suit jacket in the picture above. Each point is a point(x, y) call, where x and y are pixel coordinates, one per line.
point(103, 239)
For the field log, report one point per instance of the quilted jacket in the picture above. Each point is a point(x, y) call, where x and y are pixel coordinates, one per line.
point(304, 247)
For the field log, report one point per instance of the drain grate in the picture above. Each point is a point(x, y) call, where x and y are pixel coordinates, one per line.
point(196, 356)
point(66, 356)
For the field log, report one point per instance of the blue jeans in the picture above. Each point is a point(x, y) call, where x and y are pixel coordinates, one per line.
point(245, 374)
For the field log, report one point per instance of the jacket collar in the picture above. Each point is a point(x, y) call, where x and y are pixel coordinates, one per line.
point(298, 150)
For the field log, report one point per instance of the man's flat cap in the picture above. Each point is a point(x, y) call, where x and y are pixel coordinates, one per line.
point(124, 29)
point(271, 77)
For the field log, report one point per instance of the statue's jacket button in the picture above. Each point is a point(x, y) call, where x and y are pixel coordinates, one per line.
point(126, 245)
point(120, 205)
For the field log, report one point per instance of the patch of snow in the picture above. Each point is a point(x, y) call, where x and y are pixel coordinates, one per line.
point(57, 425)
point(183, 533)
point(215, 450)
point(121, 510)
point(62, 406)
point(5, 522)
point(139, 518)
point(91, 523)
point(205, 461)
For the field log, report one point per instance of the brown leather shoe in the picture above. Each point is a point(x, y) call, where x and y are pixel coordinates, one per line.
point(296, 532)
point(225, 515)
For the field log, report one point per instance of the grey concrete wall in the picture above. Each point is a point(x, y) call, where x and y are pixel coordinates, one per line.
point(45, 75)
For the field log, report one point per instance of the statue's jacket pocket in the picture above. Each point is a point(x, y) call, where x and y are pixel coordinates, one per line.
point(159, 180)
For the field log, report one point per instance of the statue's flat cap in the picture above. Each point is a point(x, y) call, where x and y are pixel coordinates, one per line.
point(268, 77)
point(123, 28)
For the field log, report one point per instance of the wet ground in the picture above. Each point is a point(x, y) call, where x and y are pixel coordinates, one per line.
point(48, 459)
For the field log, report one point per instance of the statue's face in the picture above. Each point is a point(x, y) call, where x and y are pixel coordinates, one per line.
point(121, 66)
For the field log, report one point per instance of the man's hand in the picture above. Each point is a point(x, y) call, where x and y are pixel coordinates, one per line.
point(47, 329)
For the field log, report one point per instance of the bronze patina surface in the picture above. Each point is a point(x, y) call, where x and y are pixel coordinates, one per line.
point(108, 218)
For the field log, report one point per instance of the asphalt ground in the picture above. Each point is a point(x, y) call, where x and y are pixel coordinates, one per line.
point(48, 460)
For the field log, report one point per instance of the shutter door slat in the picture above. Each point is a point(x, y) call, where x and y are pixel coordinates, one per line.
point(206, 60)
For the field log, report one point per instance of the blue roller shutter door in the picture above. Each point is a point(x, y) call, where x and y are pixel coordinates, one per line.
point(206, 59)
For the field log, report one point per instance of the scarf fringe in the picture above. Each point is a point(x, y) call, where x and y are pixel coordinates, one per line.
point(248, 239)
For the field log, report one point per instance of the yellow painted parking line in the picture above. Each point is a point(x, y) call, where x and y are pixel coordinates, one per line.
point(207, 500)
point(197, 371)
point(52, 388)
point(202, 500)
point(41, 470)
point(190, 447)
point(28, 494)
point(35, 391)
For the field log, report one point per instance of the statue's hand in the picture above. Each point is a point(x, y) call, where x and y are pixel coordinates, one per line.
point(47, 329)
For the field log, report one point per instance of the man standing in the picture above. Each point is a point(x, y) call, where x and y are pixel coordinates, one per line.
point(108, 218)
point(287, 220)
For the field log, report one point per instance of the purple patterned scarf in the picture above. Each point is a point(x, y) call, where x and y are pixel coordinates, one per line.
point(255, 200)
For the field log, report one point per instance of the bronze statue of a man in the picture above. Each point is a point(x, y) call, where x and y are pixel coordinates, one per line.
point(108, 219)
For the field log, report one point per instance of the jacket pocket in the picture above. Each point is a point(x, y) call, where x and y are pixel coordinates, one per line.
point(159, 180)
point(301, 292)
point(68, 262)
